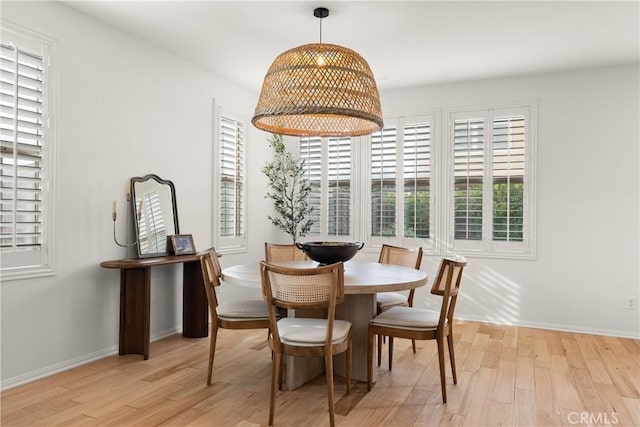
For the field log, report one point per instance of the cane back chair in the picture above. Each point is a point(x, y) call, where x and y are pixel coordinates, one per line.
point(299, 289)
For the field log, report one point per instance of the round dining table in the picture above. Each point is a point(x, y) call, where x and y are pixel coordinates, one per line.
point(362, 281)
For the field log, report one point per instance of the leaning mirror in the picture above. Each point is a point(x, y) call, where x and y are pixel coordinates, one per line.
point(155, 214)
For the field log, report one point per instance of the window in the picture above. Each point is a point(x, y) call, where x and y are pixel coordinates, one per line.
point(469, 190)
point(417, 179)
point(311, 153)
point(469, 143)
point(231, 182)
point(508, 178)
point(400, 183)
point(26, 153)
point(339, 182)
point(328, 167)
point(383, 183)
point(492, 181)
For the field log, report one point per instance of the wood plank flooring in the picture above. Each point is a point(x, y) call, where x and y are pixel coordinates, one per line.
point(509, 376)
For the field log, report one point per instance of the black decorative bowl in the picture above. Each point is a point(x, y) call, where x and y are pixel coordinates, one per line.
point(330, 252)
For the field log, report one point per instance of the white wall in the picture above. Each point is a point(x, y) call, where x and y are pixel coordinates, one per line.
point(127, 109)
point(587, 197)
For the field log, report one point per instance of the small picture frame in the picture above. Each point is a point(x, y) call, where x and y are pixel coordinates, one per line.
point(182, 244)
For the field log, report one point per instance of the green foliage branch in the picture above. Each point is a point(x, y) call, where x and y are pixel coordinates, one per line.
point(289, 191)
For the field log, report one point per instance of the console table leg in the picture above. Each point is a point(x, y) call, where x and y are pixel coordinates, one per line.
point(135, 311)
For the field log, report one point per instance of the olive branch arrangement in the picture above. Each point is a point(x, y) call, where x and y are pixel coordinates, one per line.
point(289, 191)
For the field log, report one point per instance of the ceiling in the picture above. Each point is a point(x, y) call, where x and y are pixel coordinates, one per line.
point(406, 43)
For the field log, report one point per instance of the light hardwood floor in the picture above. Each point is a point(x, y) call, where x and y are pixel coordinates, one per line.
point(506, 376)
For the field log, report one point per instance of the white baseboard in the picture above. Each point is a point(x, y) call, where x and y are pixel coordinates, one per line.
point(556, 327)
point(72, 363)
point(57, 367)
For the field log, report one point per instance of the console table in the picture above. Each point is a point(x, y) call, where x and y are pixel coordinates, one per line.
point(135, 296)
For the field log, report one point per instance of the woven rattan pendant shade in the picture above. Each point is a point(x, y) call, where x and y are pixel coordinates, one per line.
point(319, 90)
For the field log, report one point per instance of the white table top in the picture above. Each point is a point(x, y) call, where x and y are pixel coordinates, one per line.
point(359, 277)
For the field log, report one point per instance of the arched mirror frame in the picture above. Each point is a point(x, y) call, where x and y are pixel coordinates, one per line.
point(138, 213)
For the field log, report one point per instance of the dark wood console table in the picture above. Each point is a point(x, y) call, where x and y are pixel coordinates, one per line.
point(135, 295)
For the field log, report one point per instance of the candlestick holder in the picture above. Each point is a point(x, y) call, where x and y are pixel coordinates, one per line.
point(115, 239)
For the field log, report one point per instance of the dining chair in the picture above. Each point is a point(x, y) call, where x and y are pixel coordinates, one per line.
point(300, 289)
point(245, 314)
point(274, 252)
point(421, 323)
point(406, 257)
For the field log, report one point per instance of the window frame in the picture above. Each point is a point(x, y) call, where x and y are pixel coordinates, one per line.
point(23, 264)
point(237, 243)
point(487, 247)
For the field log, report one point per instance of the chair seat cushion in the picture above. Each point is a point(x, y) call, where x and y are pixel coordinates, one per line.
point(249, 309)
point(311, 332)
point(389, 299)
point(408, 318)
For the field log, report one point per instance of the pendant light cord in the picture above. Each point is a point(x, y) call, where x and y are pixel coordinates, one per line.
point(321, 12)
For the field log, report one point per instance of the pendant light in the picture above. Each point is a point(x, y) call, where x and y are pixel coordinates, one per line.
point(319, 90)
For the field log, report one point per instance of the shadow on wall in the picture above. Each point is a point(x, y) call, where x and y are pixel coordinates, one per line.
point(485, 294)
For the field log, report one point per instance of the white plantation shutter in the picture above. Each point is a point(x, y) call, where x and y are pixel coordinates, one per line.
point(231, 178)
point(383, 182)
point(508, 178)
point(416, 168)
point(469, 143)
point(21, 149)
point(339, 187)
point(311, 153)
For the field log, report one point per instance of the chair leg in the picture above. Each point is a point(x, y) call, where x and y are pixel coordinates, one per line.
point(441, 362)
point(413, 345)
point(370, 358)
point(390, 353)
point(328, 363)
point(349, 355)
point(275, 372)
point(281, 373)
point(379, 349)
point(452, 359)
point(212, 351)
